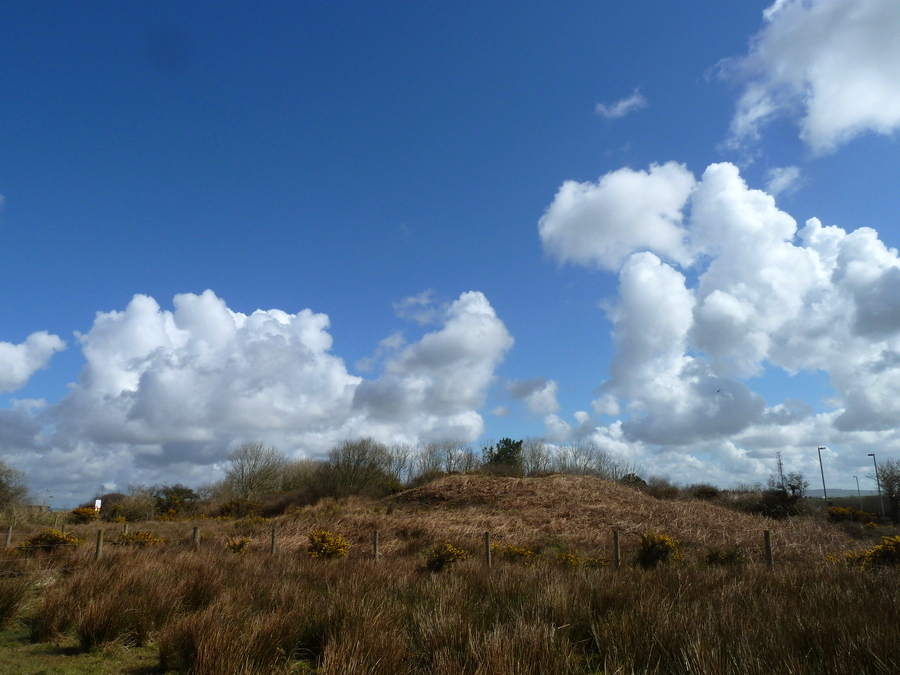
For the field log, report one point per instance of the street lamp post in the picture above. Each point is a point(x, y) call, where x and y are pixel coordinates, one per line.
point(858, 493)
point(821, 468)
point(878, 483)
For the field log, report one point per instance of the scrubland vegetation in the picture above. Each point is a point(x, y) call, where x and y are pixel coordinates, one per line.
point(693, 594)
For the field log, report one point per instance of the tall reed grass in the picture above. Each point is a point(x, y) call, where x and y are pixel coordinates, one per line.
point(210, 612)
point(214, 613)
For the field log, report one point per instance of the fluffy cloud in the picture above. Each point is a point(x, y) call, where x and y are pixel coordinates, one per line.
point(621, 108)
point(434, 386)
point(165, 394)
point(833, 64)
point(539, 394)
point(601, 224)
point(19, 362)
point(752, 292)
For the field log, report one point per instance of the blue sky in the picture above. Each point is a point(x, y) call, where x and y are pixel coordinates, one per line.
point(584, 222)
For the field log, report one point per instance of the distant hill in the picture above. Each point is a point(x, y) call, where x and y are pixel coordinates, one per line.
point(837, 492)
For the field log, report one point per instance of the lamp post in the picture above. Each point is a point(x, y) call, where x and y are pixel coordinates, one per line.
point(877, 483)
point(821, 468)
point(858, 493)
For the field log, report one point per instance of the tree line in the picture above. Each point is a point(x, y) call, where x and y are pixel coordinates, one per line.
point(260, 478)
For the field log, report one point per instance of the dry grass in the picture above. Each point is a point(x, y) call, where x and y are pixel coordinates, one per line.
point(213, 613)
point(562, 510)
point(210, 612)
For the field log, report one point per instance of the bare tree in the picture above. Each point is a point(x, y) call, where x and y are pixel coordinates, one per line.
point(889, 481)
point(254, 469)
point(429, 459)
point(399, 462)
point(300, 474)
point(355, 467)
point(589, 459)
point(13, 488)
point(536, 457)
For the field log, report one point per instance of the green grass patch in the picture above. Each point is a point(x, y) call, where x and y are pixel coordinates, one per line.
point(21, 656)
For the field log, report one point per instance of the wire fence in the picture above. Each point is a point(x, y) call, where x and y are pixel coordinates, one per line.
point(53, 545)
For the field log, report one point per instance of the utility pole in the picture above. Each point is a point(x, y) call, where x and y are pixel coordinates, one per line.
point(878, 483)
point(781, 472)
point(822, 469)
point(858, 493)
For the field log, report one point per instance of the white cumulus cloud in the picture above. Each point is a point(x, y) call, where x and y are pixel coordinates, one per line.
point(833, 65)
point(169, 392)
point(601, 224)
point(751, 291)
point(19, 362)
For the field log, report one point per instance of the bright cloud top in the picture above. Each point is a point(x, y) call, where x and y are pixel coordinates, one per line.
point(601, 224)
point(19, 362)
point(834, 64)
point(764, 293)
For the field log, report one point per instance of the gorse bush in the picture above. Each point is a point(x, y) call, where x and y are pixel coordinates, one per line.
point(839, 513)
point(657, 549)
point(324, 544)
point(49, 540)
point(510, 553)
point(237, 545)
point(568, 559)
point(139, 539)
point(887, 553)
point(82, 515)
point(443, 556)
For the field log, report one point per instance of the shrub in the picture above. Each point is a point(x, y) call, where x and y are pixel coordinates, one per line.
point(139, 539)
point(633, 480)
point(48, 540)
point(443, 556)
point(657, 549)
point(704, 492)
point(887, 553)
point(521, 554)
point(238, 545)
point(659, 487)
point(238, 508)
point(726, 557)
point(324, 544)
point(568, 559)
point(839, 513)
point(82, 515)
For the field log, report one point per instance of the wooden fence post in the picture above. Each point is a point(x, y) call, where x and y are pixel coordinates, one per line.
point(375, 551)
point(274, 546)
point(8, 536)
point(98, 552)
point(125, 528)
point(487, 548)
point(767, 540)
point(617, 551)
point(196, 537)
